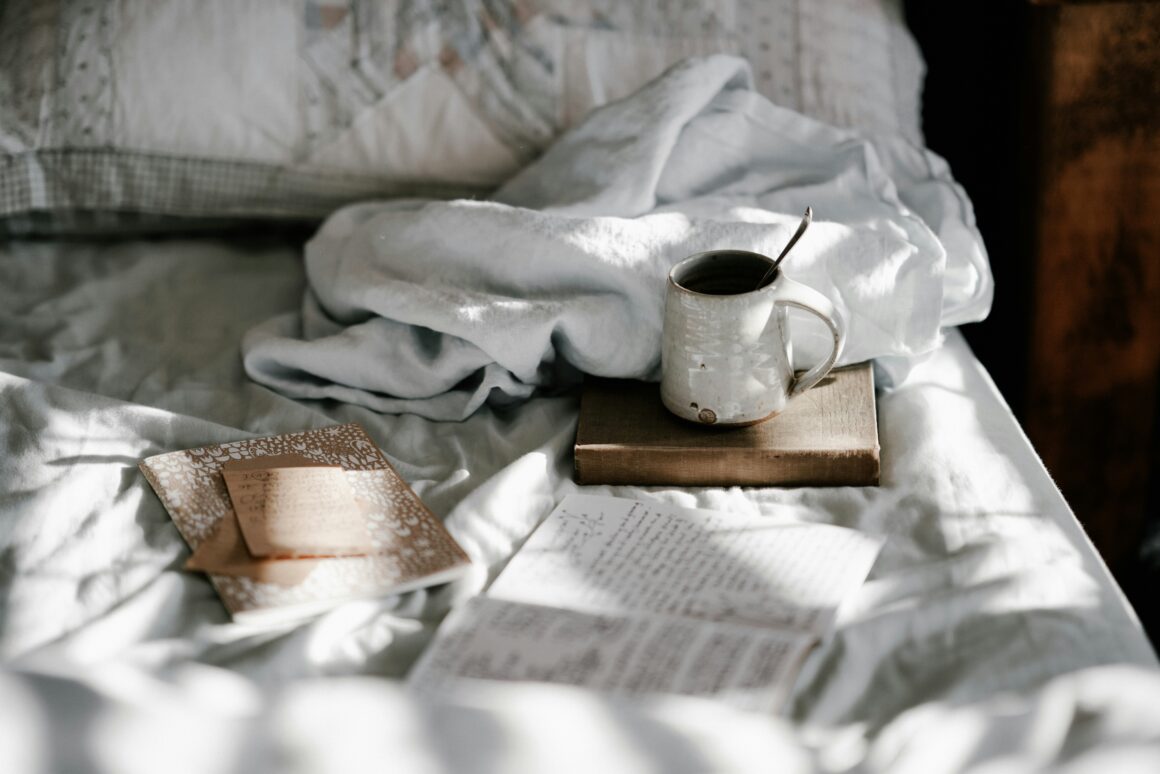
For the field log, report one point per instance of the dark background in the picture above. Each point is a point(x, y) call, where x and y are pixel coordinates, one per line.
point(975, 116)
point(1002, 104)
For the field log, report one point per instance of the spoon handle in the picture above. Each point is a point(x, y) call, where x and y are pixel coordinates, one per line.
point(801, 229)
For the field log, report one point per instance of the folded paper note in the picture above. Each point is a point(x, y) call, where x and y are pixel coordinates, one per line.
point(299, 511)
point(403, 545)
point(224, 552)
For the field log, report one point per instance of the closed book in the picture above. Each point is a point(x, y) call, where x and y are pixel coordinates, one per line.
point(827, 436)
point(409, 546)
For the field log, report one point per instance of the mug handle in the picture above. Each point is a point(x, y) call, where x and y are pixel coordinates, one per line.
point(790, 293)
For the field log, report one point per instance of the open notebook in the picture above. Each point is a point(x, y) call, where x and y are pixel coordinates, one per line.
point(633, 597)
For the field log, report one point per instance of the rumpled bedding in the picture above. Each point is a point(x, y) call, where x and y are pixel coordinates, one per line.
point(435, 307)
point(989, 633)
point(989, 636)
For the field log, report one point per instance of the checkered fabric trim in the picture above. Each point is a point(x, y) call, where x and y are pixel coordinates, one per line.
point(125, 186)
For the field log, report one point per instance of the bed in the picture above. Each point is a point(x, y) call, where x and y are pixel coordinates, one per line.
point(406, 216)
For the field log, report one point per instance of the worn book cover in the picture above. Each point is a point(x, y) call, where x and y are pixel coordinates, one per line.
point(828, 436)
point(407, 547)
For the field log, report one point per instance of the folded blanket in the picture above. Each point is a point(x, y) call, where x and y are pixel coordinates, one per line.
point(436, 307)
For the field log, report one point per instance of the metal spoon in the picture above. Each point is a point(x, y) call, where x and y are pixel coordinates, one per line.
point(801, 229)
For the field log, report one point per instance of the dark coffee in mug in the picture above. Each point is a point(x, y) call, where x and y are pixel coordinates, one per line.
point(728, 274)
point(725, 356)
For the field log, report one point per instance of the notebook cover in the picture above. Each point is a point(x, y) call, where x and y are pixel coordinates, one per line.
point(414, 548)
point(827, 436)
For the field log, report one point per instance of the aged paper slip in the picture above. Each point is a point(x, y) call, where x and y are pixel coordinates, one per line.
point(225, 553)
point(298, 511)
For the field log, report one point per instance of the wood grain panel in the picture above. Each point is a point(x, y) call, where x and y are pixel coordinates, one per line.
point(1095, 349)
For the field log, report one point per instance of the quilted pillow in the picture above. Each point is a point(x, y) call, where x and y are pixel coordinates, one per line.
point(128, 114)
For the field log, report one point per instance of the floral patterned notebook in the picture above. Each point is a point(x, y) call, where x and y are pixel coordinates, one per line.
point(411, 547)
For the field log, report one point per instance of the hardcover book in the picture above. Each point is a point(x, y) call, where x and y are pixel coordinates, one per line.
point(405, 546)
point(631, 598)
point(827, 436)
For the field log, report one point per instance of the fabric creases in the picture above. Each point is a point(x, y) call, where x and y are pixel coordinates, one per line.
point(434, 307)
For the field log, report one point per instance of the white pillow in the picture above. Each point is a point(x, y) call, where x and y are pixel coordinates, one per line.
point(126, 110)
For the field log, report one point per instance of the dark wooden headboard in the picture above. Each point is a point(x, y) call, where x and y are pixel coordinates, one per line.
point(1049, 113)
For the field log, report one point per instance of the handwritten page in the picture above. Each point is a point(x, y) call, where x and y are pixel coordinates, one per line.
point(611, 555)
point(297, 511)
point(492, 639)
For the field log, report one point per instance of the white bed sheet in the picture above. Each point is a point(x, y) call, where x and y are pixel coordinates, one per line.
point(989, 634)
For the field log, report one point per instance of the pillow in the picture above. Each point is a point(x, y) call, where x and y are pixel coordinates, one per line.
point(144, 113)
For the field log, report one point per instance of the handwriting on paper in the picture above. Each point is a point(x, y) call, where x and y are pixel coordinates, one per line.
point(492, 639)
point(297, 511)
point(603, 554)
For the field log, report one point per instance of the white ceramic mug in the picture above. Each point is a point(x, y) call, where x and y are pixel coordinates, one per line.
point(725, 350)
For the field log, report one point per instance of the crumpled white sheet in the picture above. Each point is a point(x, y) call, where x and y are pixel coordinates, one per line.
point(208, 723)
point(434, 308)
point(989, 636)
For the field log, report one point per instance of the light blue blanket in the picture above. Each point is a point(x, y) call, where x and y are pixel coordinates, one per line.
point(434, 308)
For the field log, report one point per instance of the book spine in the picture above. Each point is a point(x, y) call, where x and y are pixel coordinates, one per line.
point(596, 464)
